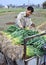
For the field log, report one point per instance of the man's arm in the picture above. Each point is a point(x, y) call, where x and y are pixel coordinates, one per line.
point(18, 22)
point(32, 24)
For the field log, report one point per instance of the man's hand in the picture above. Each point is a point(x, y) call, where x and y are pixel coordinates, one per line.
point(21, 26)
point(33, 25)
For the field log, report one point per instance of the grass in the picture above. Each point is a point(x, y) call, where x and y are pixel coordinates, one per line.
point(5, 10)
point(39, 16)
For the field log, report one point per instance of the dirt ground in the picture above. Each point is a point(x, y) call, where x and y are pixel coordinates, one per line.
point(7, 17)
point(42, 26)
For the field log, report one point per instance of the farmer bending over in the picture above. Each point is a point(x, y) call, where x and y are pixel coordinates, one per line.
point(24, 19)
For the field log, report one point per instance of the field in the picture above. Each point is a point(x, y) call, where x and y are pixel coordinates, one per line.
point(9, 15)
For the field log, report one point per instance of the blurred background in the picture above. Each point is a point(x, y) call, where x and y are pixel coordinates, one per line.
point(9, 9)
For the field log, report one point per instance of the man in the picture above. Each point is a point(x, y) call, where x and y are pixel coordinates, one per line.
point(24, 19)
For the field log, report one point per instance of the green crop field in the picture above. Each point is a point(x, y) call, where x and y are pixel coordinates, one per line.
point(8, 15)
point(5, 10)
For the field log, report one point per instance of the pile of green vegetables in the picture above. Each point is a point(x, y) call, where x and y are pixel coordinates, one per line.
point(34, 45)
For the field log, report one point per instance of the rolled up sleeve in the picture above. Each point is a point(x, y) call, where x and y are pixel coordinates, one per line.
point(18, 22)
point(30, 21)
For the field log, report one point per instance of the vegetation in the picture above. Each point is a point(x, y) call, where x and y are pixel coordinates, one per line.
point(17, 35)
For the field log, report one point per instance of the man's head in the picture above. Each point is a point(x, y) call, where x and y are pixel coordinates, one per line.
point(29, 11)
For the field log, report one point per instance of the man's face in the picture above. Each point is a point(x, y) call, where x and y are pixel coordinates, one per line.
point(28, 12)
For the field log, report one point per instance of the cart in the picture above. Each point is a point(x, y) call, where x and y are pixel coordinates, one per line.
point(30, 61)
point(34, 60)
